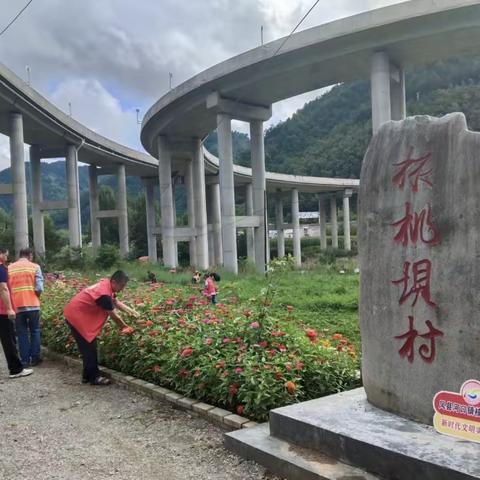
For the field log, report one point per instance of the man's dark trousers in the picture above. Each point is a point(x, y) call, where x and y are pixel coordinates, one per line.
point(9, 345)
point(88, 350)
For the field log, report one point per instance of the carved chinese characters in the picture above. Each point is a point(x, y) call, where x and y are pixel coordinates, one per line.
point(413, 228)
point(419, 251)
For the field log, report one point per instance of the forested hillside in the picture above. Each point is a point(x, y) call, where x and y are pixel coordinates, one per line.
point(327, 137)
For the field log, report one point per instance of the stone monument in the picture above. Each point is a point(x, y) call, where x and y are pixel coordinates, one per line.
point(419, 239)
point(419, 247)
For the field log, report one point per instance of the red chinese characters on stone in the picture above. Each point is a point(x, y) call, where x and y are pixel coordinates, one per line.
point(414, 170)
point(426, 351)
point(416, 226)
point(419, 281)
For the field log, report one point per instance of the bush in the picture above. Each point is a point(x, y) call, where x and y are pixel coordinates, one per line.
point(70, 258)
point(248, 356)
point(107, 256)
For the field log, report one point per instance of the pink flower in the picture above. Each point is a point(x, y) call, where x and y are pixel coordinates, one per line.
point(239, 370)
point(254, 325)
point(209, 341)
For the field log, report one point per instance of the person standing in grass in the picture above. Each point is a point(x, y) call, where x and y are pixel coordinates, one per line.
point(7, 318)
point(210, 290)
point(87, 312)
point(26, 285)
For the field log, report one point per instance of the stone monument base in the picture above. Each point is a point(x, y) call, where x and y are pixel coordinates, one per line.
point(342, 437)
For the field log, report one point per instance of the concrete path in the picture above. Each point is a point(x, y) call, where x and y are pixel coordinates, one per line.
point(52, 427)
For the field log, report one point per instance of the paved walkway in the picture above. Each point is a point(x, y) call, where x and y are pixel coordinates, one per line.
point(52, 427)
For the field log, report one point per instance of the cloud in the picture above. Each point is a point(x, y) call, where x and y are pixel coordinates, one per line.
point(94, 106)
point(110, 57)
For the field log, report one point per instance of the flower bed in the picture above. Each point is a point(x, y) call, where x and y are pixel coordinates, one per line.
point(234, 355)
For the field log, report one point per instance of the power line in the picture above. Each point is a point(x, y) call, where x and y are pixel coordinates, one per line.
point(296, 27)
point(285, 40)
point(15, 18)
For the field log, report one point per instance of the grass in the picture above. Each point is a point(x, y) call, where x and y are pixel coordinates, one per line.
point(323, 297)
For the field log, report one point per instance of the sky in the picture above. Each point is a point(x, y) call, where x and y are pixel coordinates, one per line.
point(107, 58)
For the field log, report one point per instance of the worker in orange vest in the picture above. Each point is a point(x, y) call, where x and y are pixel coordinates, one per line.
point(7, 318)
point(26, 285)
point(87, 312)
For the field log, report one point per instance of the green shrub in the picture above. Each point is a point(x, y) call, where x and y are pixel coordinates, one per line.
point(107, 256)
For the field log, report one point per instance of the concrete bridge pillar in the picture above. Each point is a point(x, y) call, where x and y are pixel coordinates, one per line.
point(297, 246)
point(227, 193)
point(216, 225)
point(249, 231)
point(191, 211)
point(211, 242)
point(387, 90)
point(200, 205)
point(151, 220)
point(279, 225)
point(122, 210)
point(94, 207)
point(174, 204)
point(73, 197)
point(346, 219)
point(333, 221)
point(322, 220)
point(37, 198)
point(166, 202)
point(259, 193)
point(17, 163)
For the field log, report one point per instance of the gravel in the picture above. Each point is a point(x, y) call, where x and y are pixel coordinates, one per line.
point(53, 427)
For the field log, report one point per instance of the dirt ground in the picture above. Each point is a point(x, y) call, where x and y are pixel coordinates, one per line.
point(53, 427)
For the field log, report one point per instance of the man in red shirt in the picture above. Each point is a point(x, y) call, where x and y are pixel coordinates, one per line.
point(87, 312)
point(7, 317)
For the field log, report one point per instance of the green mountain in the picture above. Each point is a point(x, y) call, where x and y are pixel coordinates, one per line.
point(327, 137)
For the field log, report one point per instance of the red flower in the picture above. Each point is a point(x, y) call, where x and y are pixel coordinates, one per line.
point(239, 370)
point(184, 373)
point(209, 341)
point(263, 344)
point(254, 325)
point(127, 331)
point(233, 390)
point(311, 334)
point(148, 323)
point(156, 369)
point(240, 410)
point(337, 336)
point(247, 313)
point(186, 352)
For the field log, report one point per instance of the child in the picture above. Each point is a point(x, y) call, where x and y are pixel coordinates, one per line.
point(210, 289)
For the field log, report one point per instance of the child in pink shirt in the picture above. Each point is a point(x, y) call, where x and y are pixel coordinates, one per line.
point(210, 289)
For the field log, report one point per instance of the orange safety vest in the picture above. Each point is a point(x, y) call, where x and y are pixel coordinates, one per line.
point(84, 315)
point(21, 275)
